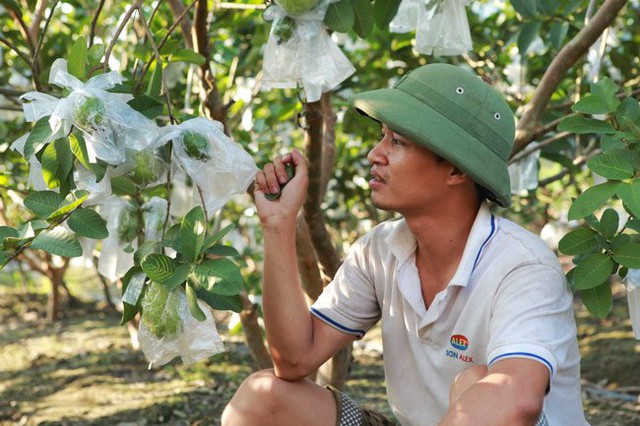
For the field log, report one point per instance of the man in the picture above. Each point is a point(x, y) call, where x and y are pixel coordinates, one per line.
point(477, 321)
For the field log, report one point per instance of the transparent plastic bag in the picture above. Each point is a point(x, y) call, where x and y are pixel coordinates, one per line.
point(441, 26)
point(214, 162)
point(301, 52)
point(116, 255)
point(444, 29)
point(168, 329)
point(524, 173)
point(109, 124)
point(154, 213)
point(633, 299)
point(144, 168)
point(87, 180)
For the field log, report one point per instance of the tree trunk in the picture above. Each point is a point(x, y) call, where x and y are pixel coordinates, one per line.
point(253, 334)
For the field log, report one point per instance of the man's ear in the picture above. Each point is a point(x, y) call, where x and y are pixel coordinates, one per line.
point(457, 176)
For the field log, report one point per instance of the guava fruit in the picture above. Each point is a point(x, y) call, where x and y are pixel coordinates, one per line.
point(296, 7)
point(89, 112)
point(128, 224)
point(284, 29)
point(148, 168)
point(195, 145)
point(290, 169)
point(160, 311)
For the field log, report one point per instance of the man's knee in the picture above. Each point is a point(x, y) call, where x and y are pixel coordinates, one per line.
point(258, 397)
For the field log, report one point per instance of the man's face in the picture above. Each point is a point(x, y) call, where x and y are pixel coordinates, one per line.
point(405, 176)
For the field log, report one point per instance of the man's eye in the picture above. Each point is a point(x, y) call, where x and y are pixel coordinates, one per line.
point(397, 141)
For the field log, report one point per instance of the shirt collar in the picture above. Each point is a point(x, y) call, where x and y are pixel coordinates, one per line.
point(403, 245)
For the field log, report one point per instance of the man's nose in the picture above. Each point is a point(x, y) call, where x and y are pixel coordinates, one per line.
point(375, 154)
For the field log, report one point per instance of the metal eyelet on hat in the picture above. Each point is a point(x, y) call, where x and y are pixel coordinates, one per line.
point(497, 116)
point(460, 90)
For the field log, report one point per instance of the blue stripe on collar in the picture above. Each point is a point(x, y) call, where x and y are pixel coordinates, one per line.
point(493, 229)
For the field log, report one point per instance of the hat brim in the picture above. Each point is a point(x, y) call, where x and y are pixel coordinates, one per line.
point(411, 118)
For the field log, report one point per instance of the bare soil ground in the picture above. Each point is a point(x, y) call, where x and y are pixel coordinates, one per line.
point(82, 371)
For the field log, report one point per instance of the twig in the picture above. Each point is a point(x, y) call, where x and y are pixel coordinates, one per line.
point(522, 154)
point(36, 53)
point(562, 173)
point(10, 92)
point(156, 52)
point(155, 10)
point(23, 28)
point(226, 5)
point(124, 22)
point(18, 52)
point(10, 108)
point(164, 40)
point(94, 22)
point(37, 17)
point(204, 205)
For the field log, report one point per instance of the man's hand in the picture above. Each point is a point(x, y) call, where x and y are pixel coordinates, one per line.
point(271, 179)
point(510, 392)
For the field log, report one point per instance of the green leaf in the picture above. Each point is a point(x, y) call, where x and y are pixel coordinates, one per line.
point(39, 134)
point(88, 223)
point(591, 104)
point(6, 232)
point(129, 310)
point(158, 267)
point(155, 84)
point(628, 255)
point(620, 240)
point(578, 241)
point(364, 17)
point(95, 53)
point(147, 106)
point(528, 34)
point(557, 33)
point(43, 203)
point(615, 165)
point(144, 250)
point(70, 206)
point(592, 199)
point(583, 125)
point(79, 149)
point(122, 185)
point(594, 270)
point(598, 300)
point(609, 223)
point(57, 241)
point(12, 5)
point(57, 163)
point(630, 195)
point(526, 8)
point(609, 143)
point(192, 234)
point(228, 278)
point(220, 302)
point(222, 250)
point(606, 90)
point(340, 16)
point(189, 56)
point(178, 277)
point(192, 301)
point(77, 62)
point(211, 240)
point(385, 11)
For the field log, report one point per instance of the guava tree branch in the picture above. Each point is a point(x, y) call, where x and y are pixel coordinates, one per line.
point(15, 48)
point(529, 123)
point(36, 54)
point(178, 9)
point(327, 254)
point(38, 13)
point(116, 35)
point(94, 22)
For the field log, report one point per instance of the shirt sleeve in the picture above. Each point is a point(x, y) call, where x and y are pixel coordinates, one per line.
point(349, 302)
point(532, 317)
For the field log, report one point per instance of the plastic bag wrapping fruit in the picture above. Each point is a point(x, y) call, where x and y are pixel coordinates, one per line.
point(218, 166)
point(123, 224)
point(441, 26)
point(633, 299)
point(301, 52)
point(154, 213)
point(87, 180)
point(109, 124)
point(168, 329)
point(524, 173)
point(144, 168)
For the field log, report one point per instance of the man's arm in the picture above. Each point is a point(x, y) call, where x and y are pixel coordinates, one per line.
point(298, 341)
point(510, 393)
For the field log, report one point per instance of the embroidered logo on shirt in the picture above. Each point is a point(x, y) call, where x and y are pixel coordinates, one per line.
point(461, 343)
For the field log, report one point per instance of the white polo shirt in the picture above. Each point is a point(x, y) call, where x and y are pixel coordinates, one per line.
point(507, 299)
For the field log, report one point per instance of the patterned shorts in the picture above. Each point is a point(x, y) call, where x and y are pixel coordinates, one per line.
point(350, 414)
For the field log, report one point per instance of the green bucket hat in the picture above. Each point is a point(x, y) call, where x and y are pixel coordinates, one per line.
point(456, 115)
